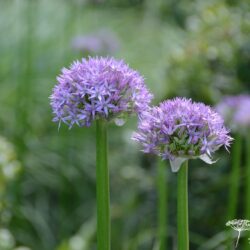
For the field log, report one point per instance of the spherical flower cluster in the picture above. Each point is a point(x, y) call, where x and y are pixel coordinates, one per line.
point(100, 42)
point(235, 111)
point(180, 129)
point(98, 88)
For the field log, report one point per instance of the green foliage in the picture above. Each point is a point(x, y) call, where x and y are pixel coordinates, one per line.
point(51, 201)
point(211, 61)
point(9, 165)
point(7, 241)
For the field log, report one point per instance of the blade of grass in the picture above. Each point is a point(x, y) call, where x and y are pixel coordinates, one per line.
point(247, 185)
point(234, 178)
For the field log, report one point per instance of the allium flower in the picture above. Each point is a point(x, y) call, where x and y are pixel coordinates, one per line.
point(100, 42)
point(98, 88)
point(180, 129)
point(235, 111)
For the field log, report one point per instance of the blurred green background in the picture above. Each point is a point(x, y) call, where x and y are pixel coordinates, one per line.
point(198, 49)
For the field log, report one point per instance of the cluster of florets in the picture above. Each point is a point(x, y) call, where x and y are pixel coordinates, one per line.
point(235, 111)
point(98, 88)
point(100, 42)
point(180, 129)
point(239, 225)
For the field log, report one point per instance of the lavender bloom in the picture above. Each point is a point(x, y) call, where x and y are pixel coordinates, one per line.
point(98, 88)
point(235, 111)
point(103, 41)
point(180, 129)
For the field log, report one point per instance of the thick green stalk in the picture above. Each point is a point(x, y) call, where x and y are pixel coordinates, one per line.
point(102, 187)
point(234, 178)
point(182, 208)
point(247, 198)
point(247, 185)
point(162, 204)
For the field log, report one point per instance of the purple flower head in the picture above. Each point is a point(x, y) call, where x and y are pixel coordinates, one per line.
point(235, 111)
point(100, 42)
point(98, 88)
point(89, 44)
point(180, 129)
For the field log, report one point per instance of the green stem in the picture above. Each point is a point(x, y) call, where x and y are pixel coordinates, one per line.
point(162, 204)
point(247, 198)
point(234, 178)
point(182, 207)
point(102, 187)
point(247, 185)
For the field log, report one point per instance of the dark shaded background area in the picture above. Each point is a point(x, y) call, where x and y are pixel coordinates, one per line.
point(198, 49)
